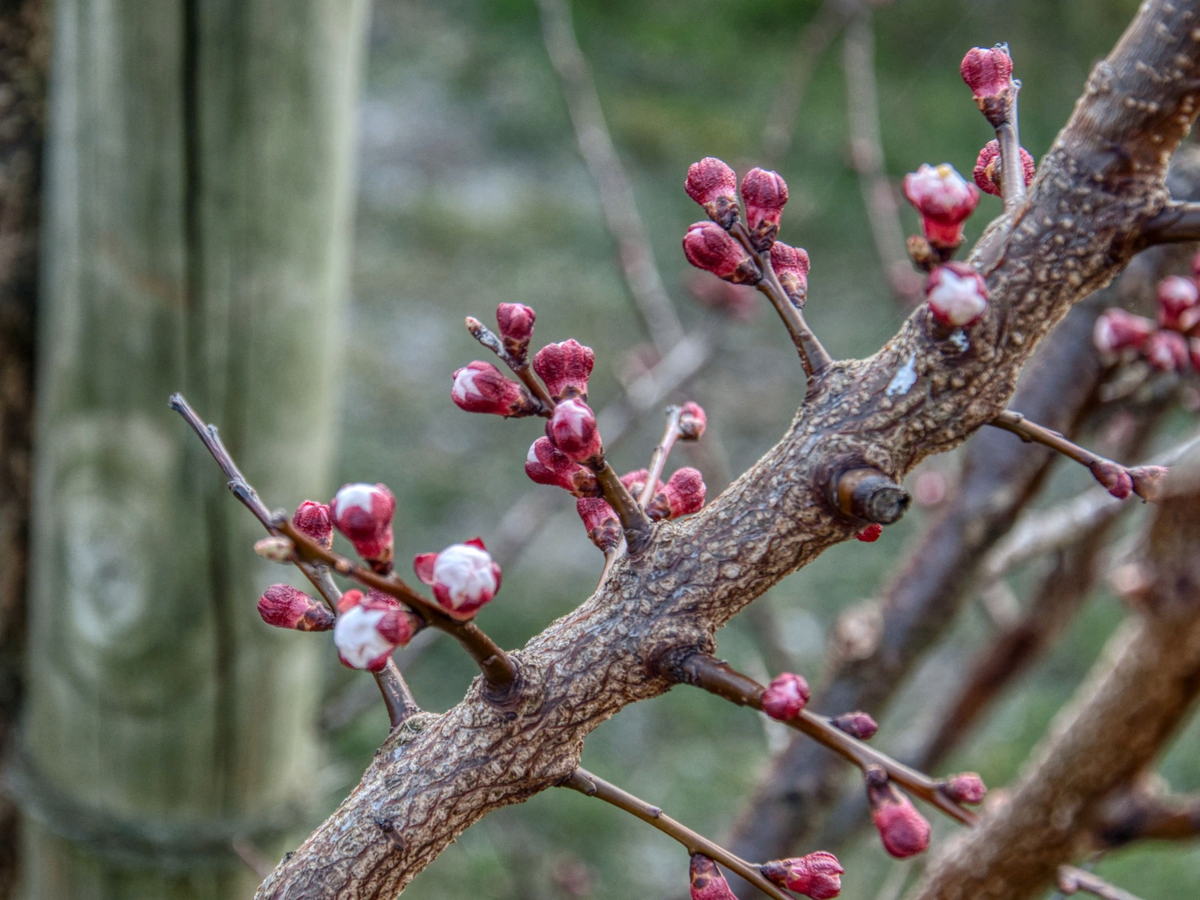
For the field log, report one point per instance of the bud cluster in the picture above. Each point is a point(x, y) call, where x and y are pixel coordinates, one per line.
point(1170, 344)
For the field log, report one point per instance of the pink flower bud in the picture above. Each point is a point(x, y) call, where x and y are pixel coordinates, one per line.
point(1178, 303)
point(275, 549)
point(682, 495)
point(363, 513)
point(516, 328)
point(1167, 351)
point(713, 185)
point(572, 428)
point(856, 724)
point(785, 696)
point(480, 388)
point(285, 607)
point(957, 295)
point(708, 246)
point(565, 368)
point(692, 422)
point(312, 520)
point(635, 481)
point(463, 577)
point(545, 464)
point(988, 168)
point(966, 787)
point(903, 830)
point(791, 265)
point(1147, 481)
point(603, 527)
point(870, 534)
point(988, 73)
point(349, 600)
point(765, 194)
point(707, 881)
point(359, 643)
point(1116, 329)
point(399, 624)
point(817, 875)
point(944, 201)
point(1113, 477)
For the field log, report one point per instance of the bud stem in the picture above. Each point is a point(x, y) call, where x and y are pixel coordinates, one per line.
point(522, 370)
point(1012, 169)
point(658, 459)
point(634, 521)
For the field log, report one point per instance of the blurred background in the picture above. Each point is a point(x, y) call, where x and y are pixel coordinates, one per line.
point(442, 164)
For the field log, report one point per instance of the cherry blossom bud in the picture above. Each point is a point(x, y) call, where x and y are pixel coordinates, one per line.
point(713, 185)
point(692, 422)
point(283, 606)
point(463, 577)
point(635, 481)
point(275, 549)
point(944, 201)
point(785, 696)
point(1178, 303)
point(545, 464)
point(480, 388)
point(1116, 329)
point(988, 168)
point(1167, 351)
point(765, 194)
point(817, 875)
point(708, 246)
point(1147, 481)
point(312, 520)
point(572, 428)
point(1115, 478)
point(363, 513)
point(349, 600)
point(903, 830)
point(682, 495)
point(359, 643)
point(603, 527)
point(966, 787)
point(565, 368)
point(791, 265)
point(988, 73)
point(707, 881)
point(957, 295)
point(856, 724)
point(516, 328)
point(870, 534)
point(399, 624)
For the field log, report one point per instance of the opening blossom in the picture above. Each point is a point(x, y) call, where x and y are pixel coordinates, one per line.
point(369, 628)
point(463, 577)
point(546, 464)
point(957, 295)
point(944, 200)
point(1178, 303)
point(1116, 329)
point(363, 513)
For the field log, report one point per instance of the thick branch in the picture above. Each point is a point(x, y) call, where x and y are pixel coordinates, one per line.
point(1178, 223)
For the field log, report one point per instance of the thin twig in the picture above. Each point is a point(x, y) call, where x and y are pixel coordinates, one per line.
point(658, 459)
point(1072, 880)
point(593, 786)
point(520, 368)
point(1012, 167)
point(1032, 432)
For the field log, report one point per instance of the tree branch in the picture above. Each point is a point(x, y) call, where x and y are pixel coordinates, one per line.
point(1178, 223)
point(1072, 880)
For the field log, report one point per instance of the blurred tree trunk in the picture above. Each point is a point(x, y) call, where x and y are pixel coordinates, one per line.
point(198, 214)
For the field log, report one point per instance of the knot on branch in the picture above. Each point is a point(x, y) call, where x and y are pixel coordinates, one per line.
point(867, 493)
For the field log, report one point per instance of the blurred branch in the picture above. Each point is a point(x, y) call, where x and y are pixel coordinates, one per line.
point(1072, 880)
point(1133, 815)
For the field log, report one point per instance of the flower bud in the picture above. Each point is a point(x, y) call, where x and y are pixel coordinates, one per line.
point(707, 881)
point(399, 624)
point(635, 481)
point(359, 643)
point(713, 185)
point(516, 328)
point(791, 265)
point(1178, 303)
point(870, 534)
point(274, 548)
point(957, 295)
point(1116, 329)
point(349, 600)
point(817, 875)
point(765, 194)
point(283, 606)
point(565, 368)
point(1115, 479)
point(363, 513)
point(708, 246)
point(545, 464)
point(1147, 481)
point(944, 201)
point(988, 168)
point(603, 527)
point(312, 520)
point(682, 495)
point(988, 73)
point(463, 577)
point(966, 787)
point(785, 696)
point(572, 428)
point(480, 388)
point(903, 830)
point(856, 724)
point(1167, 351)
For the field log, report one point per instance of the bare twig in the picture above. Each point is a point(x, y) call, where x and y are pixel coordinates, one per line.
point(1012, 168)
point(1071, 880)
point(520, 368)
point(658, 459)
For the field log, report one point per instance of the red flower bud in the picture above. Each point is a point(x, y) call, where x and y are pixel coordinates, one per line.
point(944, 201)
point(870, 534)
point(312, 520)
point(708, 246)
point(785, 696)
point(572, 428)
point(765, 194)
point(856, 724)
point(545, 464)
point(957, 295)
point(966, 787)
point(707, 881)
point(988, 73)
point(1147, 481)
point(903, 830)
point(565, 368)
point(988, 168)
point(1167, 351)
point(480, 388)
point(363, 513)
point(817, 875)
point(1116, 329)
point(1115, 478)
point(603, 527)
point(349, 600)
point(516, 328)
point(635, 481)
point(285, 607)
point(463, 577)
point(713, 185)
point(682, 495)
point(692, 422)
point(1178, 303)
point(791, 265)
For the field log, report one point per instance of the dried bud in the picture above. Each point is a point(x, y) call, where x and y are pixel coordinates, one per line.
point(708, 246)
point(903, 830)
point(791, 265)
point(1167, 351)
point(516, 328)
point(988, 73)
point(283, 606)
point(870, 534)
point(603, 527)
point(817, 875)
point(312, 520)
point(692, 422)
point(682, 495)
point(480, 388)
point(765, 195)
point(275, 549)
point(707, 881)
point(363, 513)
point(463, 577)
point(856, 724)
point(988, 168)
point(919, 251)
point(1115, 478)
point(785, 696)
point(572, 428)
point(545, 464)
point(565, 368)
point(944, 201)
point(1116, 329)
point(966, 787)
point(359, 643)
point(1178, 303)
point(957, 295)
point(1147, 481)
point(713, 185)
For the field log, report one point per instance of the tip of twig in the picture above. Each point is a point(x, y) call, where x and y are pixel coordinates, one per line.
point(176, 402)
